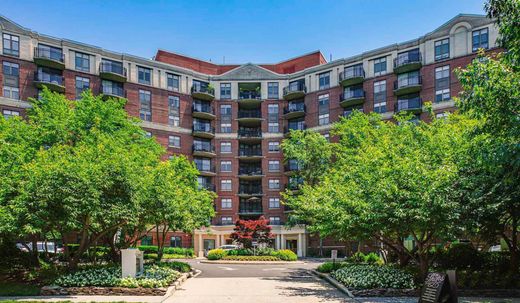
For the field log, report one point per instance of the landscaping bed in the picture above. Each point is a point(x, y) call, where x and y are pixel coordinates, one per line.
point(265, 254)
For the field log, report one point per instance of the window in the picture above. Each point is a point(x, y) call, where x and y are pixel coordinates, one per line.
point(225, 185)
point(82, 62)
point(324, 80)
point(174, 105)
point(174, 141)
point(225, 147)
point(225, 118)
point(175, 241)
point(274, 202)
point(225, 166)
point(380, 96)
point(442, 83)
point(380, 66)
point(226, 220)
point(82, 84)
point(144, 75)
point(274, 146)
point(272, 90)
point(480, 39)
point(274, 184)
point(442, 49)
point(274, 220)
point(323, 109)
point(11, 45)
point(274, 165)
point(10, 113)
point(272, 117)
point(173, 82)
point(146, 240)
point(225, 91)
point(11, 73)
point(145, 102)
point(226, 203)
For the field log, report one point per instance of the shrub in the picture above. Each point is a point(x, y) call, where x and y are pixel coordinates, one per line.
point(216, 254)
point(240, 252)
point(148, 249)
point(251, 258)
point(373, 258)
point(364, 276)
point(286, 255)
point(265, 251)
point(329, 267)
point(179, 251)
point(358, 257)
point(176, 265)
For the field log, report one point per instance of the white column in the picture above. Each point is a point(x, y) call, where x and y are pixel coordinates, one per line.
point(304, 245)
point(299, 250)
point(282, 240)
point(201, 247)
point(277, 242)
point(217, 241)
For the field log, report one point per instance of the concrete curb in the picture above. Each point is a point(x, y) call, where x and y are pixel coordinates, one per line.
point(177, 284)
point(251, 262)
point(333, 282)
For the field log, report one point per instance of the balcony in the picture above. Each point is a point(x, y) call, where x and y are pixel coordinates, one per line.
point(249, 98)
point(352, 97)
point(250, 173)
point(294, 127)
point(250, 154)
point(53, 82)
point(348, 111)
point(294, 110)
point(407, 85)
point(407, 62)
point(249, 190)
point(49, 57)
point(203, 130)
point(203, 150)
point(113, 71)
point(250, 135)
point(113, 92)
point(294, 183)
point(295, 90)
point(292, 167)
point(203, 92)
point(249, 117)
point(250, 208)
point(208, 186)
point(202, 111)
point(352, 75)
point(412, 104)
point(205, 170)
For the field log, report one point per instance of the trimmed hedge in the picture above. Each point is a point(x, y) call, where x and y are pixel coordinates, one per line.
point(216, 254)
point(329, 267)
point(152, 249)
point(285, 255)
point(270, 254)
point(251, 258)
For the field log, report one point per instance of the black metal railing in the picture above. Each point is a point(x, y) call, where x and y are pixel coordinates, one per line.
point(204, 167)
point(249, 113)
point(249, 133)
point(209, 148)
point(292, 165)
point(298, 126)
point(112, 67)
point(294, 87)
point(202, 108)
point(205, 128)
point(250, 171)
point(208, 186)
point(407, 58)
point(250, 207)
point(352, 94)
point(249, 152)
point(203, 89)
point(113, 91)
point(294, 107)
point(407, 81)
point(348, 112)
point(408, 104)
point(250, 190)
point(352, 72)
point(49, 53)
point(250, 95)
point(49, 78)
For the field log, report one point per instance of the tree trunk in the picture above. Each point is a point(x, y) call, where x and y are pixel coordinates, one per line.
point(35, 254)
point(514, 246)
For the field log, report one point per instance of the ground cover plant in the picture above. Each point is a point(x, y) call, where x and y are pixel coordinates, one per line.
point(365, 276)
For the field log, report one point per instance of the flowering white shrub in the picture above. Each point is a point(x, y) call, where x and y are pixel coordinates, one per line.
point(152, 277)
point(373, 276)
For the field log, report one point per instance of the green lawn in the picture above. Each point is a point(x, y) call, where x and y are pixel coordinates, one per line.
point(18, 289)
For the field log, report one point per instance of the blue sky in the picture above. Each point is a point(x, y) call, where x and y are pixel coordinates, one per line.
point(242, 31)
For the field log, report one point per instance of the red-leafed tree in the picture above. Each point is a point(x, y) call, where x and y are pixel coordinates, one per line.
point(248, 230)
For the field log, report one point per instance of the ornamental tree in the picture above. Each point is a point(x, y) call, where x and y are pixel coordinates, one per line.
point(246, 231)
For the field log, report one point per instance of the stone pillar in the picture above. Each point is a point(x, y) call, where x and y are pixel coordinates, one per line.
point(282, 240)
point(217, 241)
point(299, 250)
point(201, 247)
point(277, 242)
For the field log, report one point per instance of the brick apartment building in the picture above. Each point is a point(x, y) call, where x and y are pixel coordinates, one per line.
point(231, 119)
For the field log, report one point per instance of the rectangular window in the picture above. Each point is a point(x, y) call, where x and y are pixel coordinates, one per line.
point(225, 118)
point(175, 241)
point(274, 202)
point(323, 109)
point(144, 75)
point(442, 49)
point(380, 96)
point(225, 147)
point(274, 165)
point(380, 66)
point(11, 73)
point(173, 82)
point(226, 203)
point(10, 113)
point(11, 92)
point(480, 39)
point(174, 141)
point(225, 166)
point(274, 184)
point(324, 80)
point(274, 146)
point(272, 117)
point(225, 90)
point(82, 62)
point(174, 104)
point(226, 220)
point(11, 45)
point(82, 84)
point(274, 220)
point(272, 90)
point(442, 84)
point(145, 102)
point(225, 185)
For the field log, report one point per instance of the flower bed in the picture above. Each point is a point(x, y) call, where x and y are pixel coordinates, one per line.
point(250, 258)
point(363, 276)
point(246, 255)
